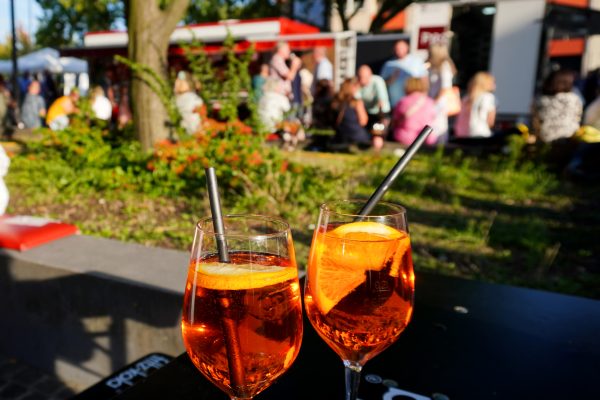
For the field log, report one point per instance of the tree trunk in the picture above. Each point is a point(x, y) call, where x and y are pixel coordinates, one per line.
point(150, 27)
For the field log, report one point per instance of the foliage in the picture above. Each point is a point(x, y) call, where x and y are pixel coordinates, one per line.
point(65, 21)
point(224, 86)
point(346, 11)
point(162, 87)
point(463, 220)
point(218, 10)
point(24, 44)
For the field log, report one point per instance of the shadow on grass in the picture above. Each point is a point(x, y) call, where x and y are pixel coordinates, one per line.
point(530, 246)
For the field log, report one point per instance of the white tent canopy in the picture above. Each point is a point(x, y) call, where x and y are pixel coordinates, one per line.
point(45, 59)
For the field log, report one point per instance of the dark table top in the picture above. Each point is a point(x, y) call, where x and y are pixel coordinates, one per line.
point(467, 340)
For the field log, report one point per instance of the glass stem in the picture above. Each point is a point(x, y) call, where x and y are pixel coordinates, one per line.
point(352, 379)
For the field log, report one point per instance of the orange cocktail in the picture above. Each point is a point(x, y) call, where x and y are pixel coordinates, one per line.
point(360, 281)
point(242, 320)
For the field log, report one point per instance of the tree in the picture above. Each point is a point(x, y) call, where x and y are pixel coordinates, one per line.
point(24, 44)
point(344, 13)
point(150, 24)
point(65, 21)
point(216, 10)
point(388, 9)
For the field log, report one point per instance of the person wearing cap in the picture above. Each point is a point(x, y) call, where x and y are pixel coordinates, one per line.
point(396, 71)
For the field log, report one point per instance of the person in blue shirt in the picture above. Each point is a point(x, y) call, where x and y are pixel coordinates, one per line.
point(396, 71)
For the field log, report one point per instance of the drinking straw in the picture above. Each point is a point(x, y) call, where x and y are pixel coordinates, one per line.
point(226, 301)
point(217, 216)
point(395, 172)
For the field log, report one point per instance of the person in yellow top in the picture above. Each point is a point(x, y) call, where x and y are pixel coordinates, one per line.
point(57, 117)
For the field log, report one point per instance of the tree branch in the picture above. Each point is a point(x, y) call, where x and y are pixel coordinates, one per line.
point(387, 11)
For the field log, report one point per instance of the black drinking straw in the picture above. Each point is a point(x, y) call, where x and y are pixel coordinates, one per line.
point(398, 168)
point(217, 217)
point(226, 301)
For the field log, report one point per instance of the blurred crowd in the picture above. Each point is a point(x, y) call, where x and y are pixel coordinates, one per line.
point(408, 93)
point(40, 103)
point(296, 92)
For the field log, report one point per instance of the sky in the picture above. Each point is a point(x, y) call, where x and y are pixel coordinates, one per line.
point(27, 13)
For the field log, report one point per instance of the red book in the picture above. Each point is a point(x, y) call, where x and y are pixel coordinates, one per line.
point(23, 232)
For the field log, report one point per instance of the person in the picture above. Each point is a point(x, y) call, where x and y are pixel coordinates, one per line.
point(413, 112)
point(4, 194)
point(259, 80)
point(49, 91)
point(591, 86)
point(441, 70)
point(57, 117)
point(273, 105)
point(4, 105)
point(307, 80)
point(101, 105)
point(188, 103)
point(557, 112)
point(351, 117)
point(124, 116)
point(24, 80)
point(441, 76)
point(375, 97)
point(279, 70)
point(396, 71)
point(591, 116)
point(321, 106)
point(478, 110)
point(323, 69)
point(34, 107)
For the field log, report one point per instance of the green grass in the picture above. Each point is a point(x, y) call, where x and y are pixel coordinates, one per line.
point(492, 218)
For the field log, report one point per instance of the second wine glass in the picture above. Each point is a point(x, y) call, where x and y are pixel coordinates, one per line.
point(360, 282)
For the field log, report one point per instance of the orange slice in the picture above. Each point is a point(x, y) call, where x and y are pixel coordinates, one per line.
point(222, 276)
point(340, 258)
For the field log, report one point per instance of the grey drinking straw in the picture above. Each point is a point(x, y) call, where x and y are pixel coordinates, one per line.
point(398, 168)
point(229, 323)
point(217, 217)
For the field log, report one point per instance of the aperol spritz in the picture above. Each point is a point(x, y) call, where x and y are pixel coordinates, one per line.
point(360, 283)
point(242, 320)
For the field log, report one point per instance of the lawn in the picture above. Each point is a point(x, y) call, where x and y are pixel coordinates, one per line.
point(492, 218)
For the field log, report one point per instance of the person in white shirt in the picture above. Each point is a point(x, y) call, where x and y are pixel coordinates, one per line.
point(323, 67)
point(101, 105)
point(273, 105)
point(188, 103)
point(478, 111)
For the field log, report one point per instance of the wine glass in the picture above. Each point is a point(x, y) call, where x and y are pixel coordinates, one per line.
point(242, 320)
point(360, 282)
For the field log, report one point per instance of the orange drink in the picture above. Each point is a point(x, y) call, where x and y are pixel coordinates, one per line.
point(360, 282)
point(360, 288)
point(242, 320)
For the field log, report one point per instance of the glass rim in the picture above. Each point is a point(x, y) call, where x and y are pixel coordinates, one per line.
point(326, 207)
point(283, 229)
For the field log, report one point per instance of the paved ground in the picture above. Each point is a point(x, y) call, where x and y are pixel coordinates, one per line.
point(19, 381)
